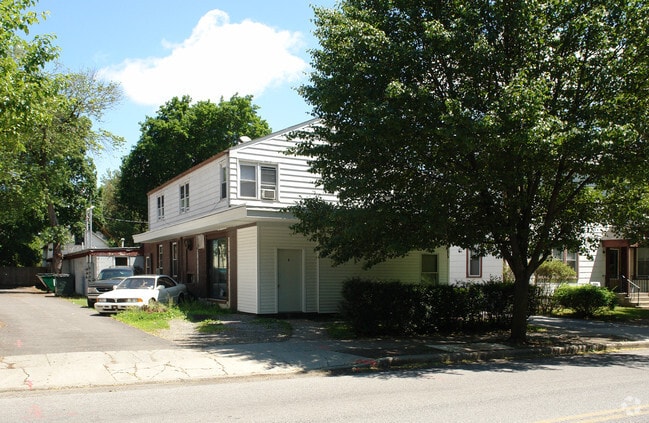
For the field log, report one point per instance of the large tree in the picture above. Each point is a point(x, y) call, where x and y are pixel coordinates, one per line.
point(180, 136)
point(58, 178)
point(502, 126)
point(23, 89)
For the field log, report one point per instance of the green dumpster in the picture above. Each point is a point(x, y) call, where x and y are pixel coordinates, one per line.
point(48, 280)
point(64, 284)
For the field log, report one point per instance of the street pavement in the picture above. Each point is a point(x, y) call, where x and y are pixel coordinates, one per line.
point(301, 353)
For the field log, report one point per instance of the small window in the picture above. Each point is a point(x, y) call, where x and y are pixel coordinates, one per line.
point(174, 259)
point(248, 180)
point(184, 198)
point(474, 264)
point(642, 258)
point(569, 258)
point(161, 206)
point(429, 269)
point(224, 182)
point(121, 261)
point(160, 257)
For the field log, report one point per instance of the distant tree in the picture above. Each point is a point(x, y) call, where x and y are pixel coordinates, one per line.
point(501, 126)
point(114, 220)
point(180, 136)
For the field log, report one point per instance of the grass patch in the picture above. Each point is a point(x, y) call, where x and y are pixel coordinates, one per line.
point(80, 301)
point(157, 317)
point(340, 330)
point(210, 326)
point(618, 314)
point(282, 326)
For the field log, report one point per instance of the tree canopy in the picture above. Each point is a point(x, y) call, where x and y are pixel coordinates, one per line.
point(501, 126)
point(46, 130)
point(180, 136)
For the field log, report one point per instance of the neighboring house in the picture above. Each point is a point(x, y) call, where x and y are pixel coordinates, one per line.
point(220, 228)
point(85, 263)
point(612, 263)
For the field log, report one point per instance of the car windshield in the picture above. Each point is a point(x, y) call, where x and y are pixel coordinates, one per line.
point(136, 283)
point(114, 273)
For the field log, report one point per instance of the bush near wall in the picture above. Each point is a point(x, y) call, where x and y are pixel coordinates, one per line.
point(585, 300)
point(393, 308)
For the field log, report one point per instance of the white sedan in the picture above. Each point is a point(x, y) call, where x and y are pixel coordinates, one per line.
point(141, 290)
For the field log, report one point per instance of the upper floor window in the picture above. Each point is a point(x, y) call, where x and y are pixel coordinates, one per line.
point(224, 182)
point(248, 177)
point(473, 265)
point(161, 206)
point(248, 180)
point(184, 198)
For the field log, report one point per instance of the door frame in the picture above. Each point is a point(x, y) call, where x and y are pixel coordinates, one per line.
point(301, 282)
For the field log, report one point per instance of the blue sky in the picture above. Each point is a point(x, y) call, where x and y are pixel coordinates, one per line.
point(157, 49)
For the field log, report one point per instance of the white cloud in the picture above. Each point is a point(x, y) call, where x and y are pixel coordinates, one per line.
point(218, 60)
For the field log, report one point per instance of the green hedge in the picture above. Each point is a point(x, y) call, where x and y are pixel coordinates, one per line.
point(395, 308)
point(584, 300)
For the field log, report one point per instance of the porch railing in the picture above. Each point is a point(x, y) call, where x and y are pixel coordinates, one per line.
point(632, 288)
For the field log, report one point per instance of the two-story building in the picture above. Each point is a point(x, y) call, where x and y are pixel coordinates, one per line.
point(220, 227)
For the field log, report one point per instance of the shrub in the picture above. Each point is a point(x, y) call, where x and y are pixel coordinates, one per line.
point(395, 308)
point(584, 300)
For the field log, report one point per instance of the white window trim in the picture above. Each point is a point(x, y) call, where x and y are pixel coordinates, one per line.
point(183, 200)
point(469, 258)
point(258, 185)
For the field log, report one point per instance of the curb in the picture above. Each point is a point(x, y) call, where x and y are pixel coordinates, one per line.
point(386, 363)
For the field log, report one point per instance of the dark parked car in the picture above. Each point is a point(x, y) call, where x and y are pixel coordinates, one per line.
point(107, 280)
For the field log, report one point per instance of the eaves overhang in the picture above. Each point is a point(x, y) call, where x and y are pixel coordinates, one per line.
point(230, 218)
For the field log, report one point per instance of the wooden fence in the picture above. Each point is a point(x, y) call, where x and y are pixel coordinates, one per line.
point(12, 277)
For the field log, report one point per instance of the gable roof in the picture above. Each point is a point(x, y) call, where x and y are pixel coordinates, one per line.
point(235, 147)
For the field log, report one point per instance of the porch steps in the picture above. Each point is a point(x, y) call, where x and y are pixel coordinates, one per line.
point(633, 300)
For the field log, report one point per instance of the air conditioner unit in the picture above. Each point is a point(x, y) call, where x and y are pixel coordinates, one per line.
point(268, 194)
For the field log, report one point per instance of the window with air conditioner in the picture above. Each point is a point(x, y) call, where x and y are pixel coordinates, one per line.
point(258, 181)
point(268, 183)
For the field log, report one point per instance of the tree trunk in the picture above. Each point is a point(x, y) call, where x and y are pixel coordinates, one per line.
point(57, 248)
point(519, 315)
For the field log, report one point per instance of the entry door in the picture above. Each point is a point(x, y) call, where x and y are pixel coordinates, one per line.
point(289, 281)
point(612, 268)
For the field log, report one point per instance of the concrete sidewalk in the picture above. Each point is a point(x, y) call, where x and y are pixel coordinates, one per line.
point(296, 355)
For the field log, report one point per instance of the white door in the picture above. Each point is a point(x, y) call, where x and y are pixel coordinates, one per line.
point(289, 281)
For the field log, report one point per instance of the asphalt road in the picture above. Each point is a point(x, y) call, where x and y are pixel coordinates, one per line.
point(39, 323)
point(572, 389)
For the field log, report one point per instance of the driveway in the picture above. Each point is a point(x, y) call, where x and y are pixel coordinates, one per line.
point(33, 322)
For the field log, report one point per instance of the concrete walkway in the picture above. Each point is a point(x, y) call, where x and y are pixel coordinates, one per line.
point(297, 355)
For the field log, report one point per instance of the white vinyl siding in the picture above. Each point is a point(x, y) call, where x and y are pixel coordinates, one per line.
point(247, 270)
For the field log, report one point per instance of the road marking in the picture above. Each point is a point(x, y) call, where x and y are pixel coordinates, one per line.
point(602, 416)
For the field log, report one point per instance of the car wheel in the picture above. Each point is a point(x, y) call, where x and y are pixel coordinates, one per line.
point(152, 302)
point(91, 303)
point(181, 299)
